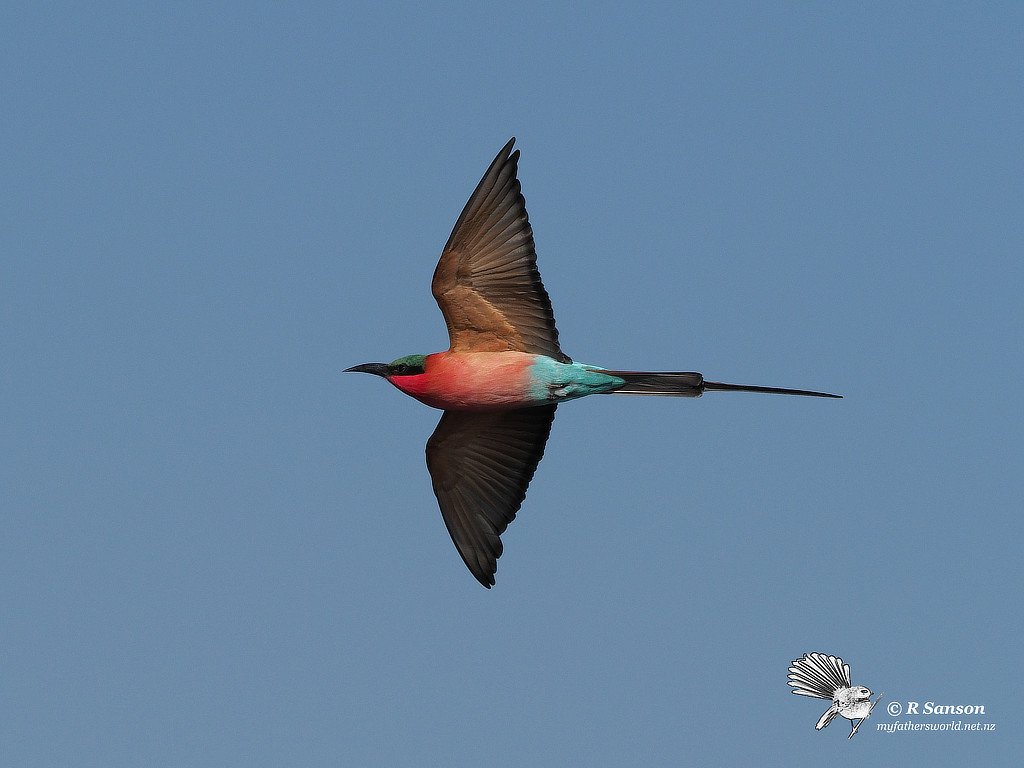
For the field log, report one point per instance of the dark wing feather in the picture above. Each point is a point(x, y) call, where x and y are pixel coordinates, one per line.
point(481, 464)
point(486, 282)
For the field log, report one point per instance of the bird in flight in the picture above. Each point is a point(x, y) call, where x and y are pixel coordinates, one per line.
point(827, 677)
point(504, 372)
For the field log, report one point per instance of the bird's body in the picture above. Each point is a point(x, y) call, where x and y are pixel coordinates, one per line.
point(487, 381)
point(853, 703)
point(504, 372)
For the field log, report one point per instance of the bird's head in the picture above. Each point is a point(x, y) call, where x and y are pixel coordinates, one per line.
point(848, 696)
point(410, 365)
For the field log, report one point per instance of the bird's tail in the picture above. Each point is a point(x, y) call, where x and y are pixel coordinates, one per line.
point(818, 675)
point(689, 384)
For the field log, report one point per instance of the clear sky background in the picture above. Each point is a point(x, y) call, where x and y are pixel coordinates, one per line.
point(218, 549)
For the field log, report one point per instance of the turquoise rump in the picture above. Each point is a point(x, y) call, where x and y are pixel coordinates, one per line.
point(555, 382)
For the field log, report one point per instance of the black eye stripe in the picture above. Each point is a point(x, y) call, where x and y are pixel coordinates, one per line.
point(404, 369)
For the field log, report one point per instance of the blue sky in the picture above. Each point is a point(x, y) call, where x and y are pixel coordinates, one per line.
point(217, 549)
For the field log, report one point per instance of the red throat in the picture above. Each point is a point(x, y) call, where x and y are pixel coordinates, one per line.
point(473, 381)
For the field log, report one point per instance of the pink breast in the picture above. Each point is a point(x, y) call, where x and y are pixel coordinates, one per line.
point(471, 381)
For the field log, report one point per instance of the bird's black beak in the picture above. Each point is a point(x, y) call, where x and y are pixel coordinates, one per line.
point(377, 369)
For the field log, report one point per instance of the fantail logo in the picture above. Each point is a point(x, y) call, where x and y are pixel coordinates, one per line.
point(827, 677)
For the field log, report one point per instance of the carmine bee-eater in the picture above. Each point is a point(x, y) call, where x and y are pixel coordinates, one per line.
point(504, 372)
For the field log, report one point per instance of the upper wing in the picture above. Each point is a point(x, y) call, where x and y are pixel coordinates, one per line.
point(486, 282)
point(480, 464)
point(818, 675)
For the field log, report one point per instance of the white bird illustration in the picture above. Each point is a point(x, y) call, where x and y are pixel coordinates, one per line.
point(827, 677)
